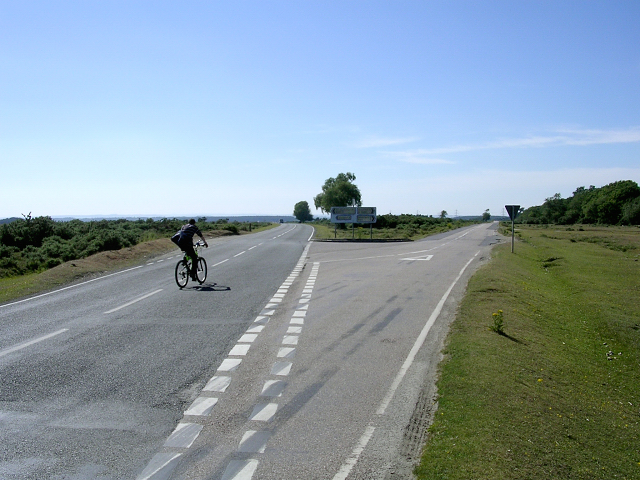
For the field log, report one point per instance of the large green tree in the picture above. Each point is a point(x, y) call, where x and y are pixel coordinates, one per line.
point(338, 192)
point(302, 212)
point(615, 203)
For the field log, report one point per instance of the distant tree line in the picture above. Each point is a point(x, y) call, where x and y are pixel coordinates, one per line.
point(617, 203)
point(35, 244)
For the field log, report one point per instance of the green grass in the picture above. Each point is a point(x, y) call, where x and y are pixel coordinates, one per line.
point(546, 399)
point(403, 232)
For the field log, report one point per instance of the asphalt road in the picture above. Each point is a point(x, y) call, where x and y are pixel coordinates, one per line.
point(303, 361)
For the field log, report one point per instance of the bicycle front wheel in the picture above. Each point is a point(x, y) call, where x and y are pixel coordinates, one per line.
point(201, 273)
point(182, 273)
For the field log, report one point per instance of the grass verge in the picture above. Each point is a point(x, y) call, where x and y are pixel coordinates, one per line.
point(557, 394)
point(329, 232)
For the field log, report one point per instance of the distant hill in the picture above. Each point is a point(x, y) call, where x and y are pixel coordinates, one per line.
point(8, 220)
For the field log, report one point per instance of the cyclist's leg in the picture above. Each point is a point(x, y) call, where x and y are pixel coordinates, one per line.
point(194, 259)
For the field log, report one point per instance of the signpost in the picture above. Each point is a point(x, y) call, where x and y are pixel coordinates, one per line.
point(512, 210)
point(354, 215)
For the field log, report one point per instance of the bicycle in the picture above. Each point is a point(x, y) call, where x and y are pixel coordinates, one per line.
point(183, 268)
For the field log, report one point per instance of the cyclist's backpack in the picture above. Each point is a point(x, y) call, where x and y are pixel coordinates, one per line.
point(176, 238)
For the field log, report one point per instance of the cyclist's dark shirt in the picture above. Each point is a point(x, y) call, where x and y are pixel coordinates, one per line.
point(188, 231)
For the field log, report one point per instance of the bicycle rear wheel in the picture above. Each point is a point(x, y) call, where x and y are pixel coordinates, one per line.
point(182, 273)
point(201, 273)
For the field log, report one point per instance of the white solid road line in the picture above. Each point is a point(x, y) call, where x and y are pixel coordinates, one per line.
point(350, 462)
point(419, 342)
point(31, 342)
point(133, 301)
point(67, 288)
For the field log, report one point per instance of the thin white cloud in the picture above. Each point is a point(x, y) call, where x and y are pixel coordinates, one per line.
point(575, 137)
point(411, 157)
point(374, 142)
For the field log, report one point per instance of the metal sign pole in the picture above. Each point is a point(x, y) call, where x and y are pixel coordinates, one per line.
point(513, 210)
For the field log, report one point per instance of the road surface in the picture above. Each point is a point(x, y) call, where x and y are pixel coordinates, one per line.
point(295, 359)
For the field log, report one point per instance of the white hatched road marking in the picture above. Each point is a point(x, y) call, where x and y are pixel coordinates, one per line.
point(254, 442)
point(161, 464)
point(201, 406)
point(184, 435)
point(218, 383)
point(240, 470)
point(264, 412)
point(229, 364)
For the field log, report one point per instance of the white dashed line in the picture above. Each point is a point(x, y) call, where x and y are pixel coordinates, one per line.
point(31, 342)
point(240, 470)
point(240, 350)
point(286, 352)
point(184, 435)
point(133, 301)
point(254, 442)
point(161, 464)
point(248, 338)
point(229, 364)
point(201, 406)
point(281, 368)
point(264, 412)
point(273, 388)
point(218, 383)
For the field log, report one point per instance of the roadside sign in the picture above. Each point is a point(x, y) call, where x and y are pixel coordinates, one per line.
point(343, 210)
point(353, 215)
point(512, 210)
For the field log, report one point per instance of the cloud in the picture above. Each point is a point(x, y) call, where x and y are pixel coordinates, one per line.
point(374, 142)
point(418, 158)
point(561, 137)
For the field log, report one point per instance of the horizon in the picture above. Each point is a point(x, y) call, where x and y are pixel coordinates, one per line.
point(442, 105)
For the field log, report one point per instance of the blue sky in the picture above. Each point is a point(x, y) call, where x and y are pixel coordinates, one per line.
point(247, 107)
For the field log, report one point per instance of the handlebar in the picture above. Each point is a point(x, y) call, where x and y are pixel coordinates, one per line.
point(199, 243)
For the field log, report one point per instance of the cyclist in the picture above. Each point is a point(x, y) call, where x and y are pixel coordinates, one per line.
point(185, 243)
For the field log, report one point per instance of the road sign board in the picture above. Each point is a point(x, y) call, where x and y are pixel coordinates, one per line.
point(343, 210)
point(353, 215)
point(512, 210)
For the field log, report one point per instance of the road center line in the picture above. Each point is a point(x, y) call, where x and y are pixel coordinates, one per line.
point(31, 342)
point(219, 263)
point(133, 301)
